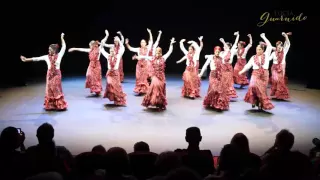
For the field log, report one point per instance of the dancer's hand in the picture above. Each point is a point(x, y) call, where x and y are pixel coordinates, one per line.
point(200, 38)
point(206, 56)
point(199, 75)
point(249, 35)
point(236, 33)
point(127, 41)
point(119, 33)
point(262, 35)
point(240, 72)
point(149, 31)
point(172, 41)
point(177, 62)
point(182, 40)
point(289, 33)
point(221, 40)
point(160, 32)
point(62, 35)
point(23, 58)
point(190, 42)
point(107, 32)
point(134, 57)
point(71, 49)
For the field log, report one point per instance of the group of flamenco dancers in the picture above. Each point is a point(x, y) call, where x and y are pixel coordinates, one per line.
point(150, 72)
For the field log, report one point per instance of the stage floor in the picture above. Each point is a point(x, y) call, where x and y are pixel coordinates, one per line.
point(89, 121)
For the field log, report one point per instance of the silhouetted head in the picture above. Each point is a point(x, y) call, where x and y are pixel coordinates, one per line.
point(260, 48)
point(117, 161)
point(279, 46)
point(112, 51)
point(284, 140)
point(193, 136)
point(158, 52)
point(230, 159)
point(241, 44)
point(99, 149)
point(241, 141)
point(10, 139)
point(143, 43)
point(316, 142)
point(166, 162)
point(183, 173)
point(45, 133)
point(53, 49)
point(191, 49)
point(93, 44)
point(217, 50)
point(141, 147)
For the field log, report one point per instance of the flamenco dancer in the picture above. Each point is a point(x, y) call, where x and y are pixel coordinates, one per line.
point(93, 76)
point(279, 88)
point(191, 87)
point(227, 69)
point(54, 98)
point(155, 44)
point(217, 97)
point(242, 51)
point(116, 47)
point(257, 91)
point(156, 95)
point(142, 70)
point(114, 90)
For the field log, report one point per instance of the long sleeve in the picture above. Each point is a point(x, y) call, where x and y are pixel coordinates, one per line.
point(101, 47)
point(248, 65)
point(205, 66)
point(150, 43)
point(121, 38)
point(41, 58)
point(82, 49)
point(133, 49)
point(201, 45)
point(158, 40)
point(168, 53)
point(119, 55)
point(246, 49)
point(287, 44)
point(109, 45)
point(183, 49)
point(272, 56)
point(144, 57)
point(268, 48)
point(62, 51)
point(182, 59)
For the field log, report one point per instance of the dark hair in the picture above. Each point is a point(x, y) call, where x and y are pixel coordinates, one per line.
point(242, 43)
point(45, 133)
point(229, 44)
point(117, 161)
point(54, 47)
point(279, 43)
point(166, 162)
point(191, 47)
point(193, 134)
point(141, 146)
point(8, 138)
point(285, 139)
point(241, 141)
point(98, 149)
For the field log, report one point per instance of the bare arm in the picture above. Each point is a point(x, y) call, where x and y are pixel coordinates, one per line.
point(205, 66)
point(182, 59)
point(183, 49)
point(87, 50)
point(63, 46)
point(165, 57)
point(247, 66)
point(132, 49)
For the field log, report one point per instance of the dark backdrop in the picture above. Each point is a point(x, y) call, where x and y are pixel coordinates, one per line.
point(31, 27)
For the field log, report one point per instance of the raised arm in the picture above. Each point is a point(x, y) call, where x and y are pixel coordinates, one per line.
point(183, 49)
point(223, 42)
point(158, 39)
point(132, 49)
point(201, 42)
point(150, 43)
point(121, 48)
point(182, 59)
point(235, 44)
point(246, 49)
point(204, 67)
point(269, 46)
point(63, 45)
point(121, 37)
point(165, 57)
point(247, 66)
point(195, 45)
point(87, 50)
point(101, 47)
point(287, 43)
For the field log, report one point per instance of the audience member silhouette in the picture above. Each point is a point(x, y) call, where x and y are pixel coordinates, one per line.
point(166, 162)
point(183, 173)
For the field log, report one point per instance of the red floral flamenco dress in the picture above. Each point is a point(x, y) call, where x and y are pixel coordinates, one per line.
point(94, 77)
point(54, 99)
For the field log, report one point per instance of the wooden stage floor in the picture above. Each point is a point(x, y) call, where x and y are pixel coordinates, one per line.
point(89, 122)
